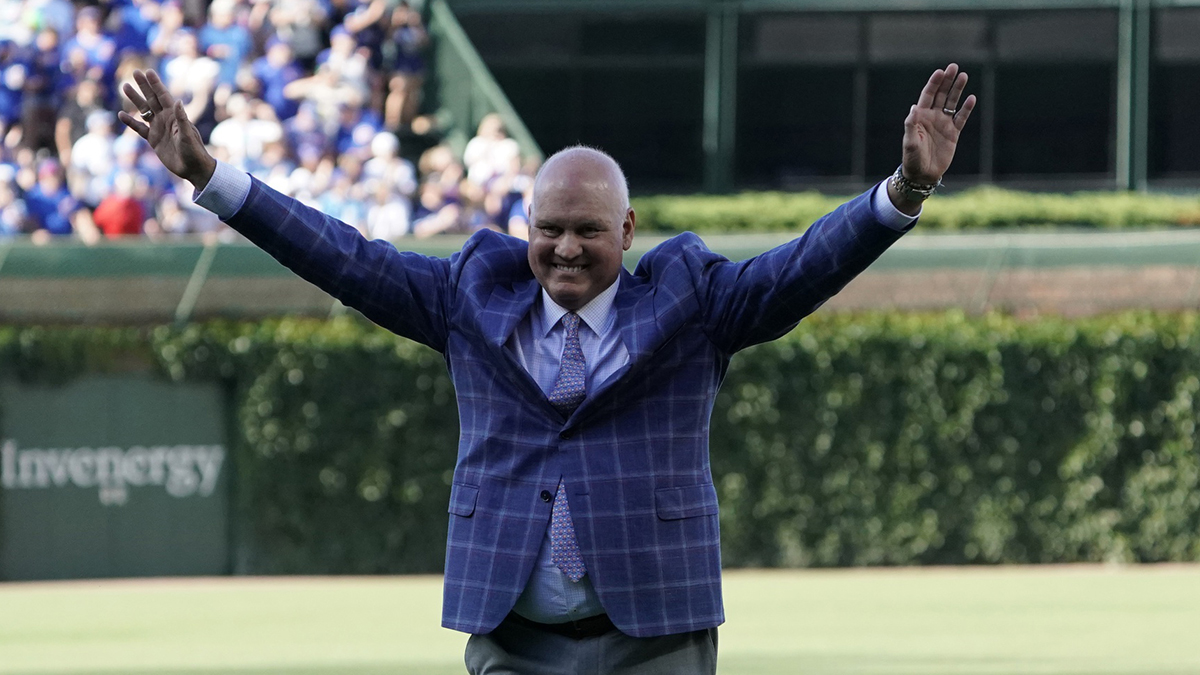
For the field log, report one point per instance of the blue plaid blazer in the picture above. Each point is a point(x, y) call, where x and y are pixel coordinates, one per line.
point(634, 455)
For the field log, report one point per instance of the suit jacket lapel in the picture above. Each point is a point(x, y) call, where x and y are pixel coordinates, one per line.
point(635, 321)
point(506, 307)
point(504, 310)
point(637, 326)
point(635, 318)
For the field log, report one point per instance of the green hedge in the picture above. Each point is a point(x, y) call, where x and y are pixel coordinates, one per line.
point(976, 208)
point(873, 439)
point(893, 439)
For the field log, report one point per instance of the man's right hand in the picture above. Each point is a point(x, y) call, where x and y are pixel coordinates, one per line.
point(171, 135)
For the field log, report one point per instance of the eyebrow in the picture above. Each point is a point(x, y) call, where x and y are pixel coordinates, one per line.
point(546, 222)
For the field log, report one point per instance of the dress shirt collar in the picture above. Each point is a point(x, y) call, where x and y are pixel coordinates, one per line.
point(597, 314)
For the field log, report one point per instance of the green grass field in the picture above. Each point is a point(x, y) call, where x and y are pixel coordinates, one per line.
point(1042, 620)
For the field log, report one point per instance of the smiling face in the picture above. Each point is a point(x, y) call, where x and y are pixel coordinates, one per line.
point(580, 224)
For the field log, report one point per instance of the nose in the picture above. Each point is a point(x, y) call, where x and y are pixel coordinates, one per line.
point(567, 247)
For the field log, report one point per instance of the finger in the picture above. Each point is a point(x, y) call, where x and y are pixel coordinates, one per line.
point(160, 91)
point(143, 83)
point(960, 83)
point(931, 87)
point(134, 97)
point(188, 132)
point(911, 121)
point(960, 120)
point(943, 90)
point(141, 128)
point(181, 119)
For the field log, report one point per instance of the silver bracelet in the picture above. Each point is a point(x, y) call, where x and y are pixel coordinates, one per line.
point(911, 190)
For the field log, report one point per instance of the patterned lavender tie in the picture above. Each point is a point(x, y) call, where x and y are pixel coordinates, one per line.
point(571, 386)
point(568, 391)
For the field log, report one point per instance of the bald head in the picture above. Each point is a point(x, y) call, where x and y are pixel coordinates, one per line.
point(583, 166)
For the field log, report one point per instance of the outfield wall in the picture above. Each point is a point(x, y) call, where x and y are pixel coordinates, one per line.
point(113, 476)
point(859, 439)
point(1066, 273)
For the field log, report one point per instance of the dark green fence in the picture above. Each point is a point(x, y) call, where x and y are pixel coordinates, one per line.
point(111, 475)
point(1076, 273)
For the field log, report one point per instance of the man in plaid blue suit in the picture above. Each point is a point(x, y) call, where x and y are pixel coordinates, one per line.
point(583, 518)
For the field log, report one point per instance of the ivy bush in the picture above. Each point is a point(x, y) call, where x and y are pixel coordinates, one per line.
point(859, 439)
point(978, 208)
point(892, 439)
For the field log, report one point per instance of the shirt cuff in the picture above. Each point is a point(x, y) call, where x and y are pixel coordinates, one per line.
point(887, 213)
point(226, 191)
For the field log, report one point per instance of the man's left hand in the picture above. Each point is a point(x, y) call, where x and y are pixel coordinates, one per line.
point(933, 125)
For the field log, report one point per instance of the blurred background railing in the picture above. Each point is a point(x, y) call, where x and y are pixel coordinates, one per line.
point(464, 89)
point(1070, 274)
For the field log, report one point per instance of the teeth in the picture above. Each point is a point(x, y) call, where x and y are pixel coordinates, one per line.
point(564, 268)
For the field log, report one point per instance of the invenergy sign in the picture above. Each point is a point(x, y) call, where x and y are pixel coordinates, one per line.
point(181, 470)
point(113, 475)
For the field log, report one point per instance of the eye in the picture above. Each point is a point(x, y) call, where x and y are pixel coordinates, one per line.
point(550, 230)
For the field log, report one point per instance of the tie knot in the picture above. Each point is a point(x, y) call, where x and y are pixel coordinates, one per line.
point(571, 322)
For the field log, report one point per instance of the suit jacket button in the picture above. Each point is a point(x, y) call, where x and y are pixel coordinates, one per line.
point(546, 496)
point(566, 434)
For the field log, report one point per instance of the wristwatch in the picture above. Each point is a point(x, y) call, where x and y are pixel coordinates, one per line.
point(911, 190)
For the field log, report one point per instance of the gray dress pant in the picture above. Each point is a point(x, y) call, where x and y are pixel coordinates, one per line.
point(516, 649)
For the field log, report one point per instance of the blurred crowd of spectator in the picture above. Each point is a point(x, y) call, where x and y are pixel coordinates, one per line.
point(312, 97)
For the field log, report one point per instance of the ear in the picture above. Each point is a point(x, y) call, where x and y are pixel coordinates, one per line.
point(627, 229)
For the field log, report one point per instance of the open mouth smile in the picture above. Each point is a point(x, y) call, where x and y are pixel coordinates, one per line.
point(569, 269)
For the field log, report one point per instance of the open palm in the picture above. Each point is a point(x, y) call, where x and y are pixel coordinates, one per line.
point(934, 124)
point(171, 135)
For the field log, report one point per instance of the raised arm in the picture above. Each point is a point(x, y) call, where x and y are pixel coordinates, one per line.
point(404, 292)
point(763, 298)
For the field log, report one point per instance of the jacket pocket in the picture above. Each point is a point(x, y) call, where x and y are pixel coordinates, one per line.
point(462, 499)
point(686, 502)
